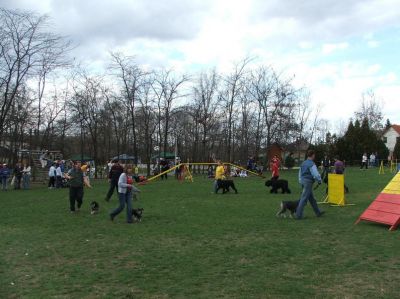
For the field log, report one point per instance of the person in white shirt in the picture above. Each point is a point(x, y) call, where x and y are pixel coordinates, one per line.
point(243, 174)
point(52, 176)
point(372, 160)
point(364, 161)
point(43, 159)
point(59, 175)
point(26, 176)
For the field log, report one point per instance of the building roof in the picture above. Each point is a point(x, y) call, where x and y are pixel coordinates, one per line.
point(123, 157)
point(394, 127)
point(299, 145)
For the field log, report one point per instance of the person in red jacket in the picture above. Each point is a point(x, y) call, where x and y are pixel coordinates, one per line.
point(275, 170)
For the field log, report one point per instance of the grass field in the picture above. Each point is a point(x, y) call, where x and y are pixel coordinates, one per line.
point(194, 244)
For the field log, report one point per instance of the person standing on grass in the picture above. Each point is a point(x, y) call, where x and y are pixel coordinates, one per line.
point(18, 176)
point(339, 169)
point(164, 167)
point(58, 176)
point(125, 194)
point(219, 174)
point(4, 175)
point(308, 174)
point(26, 176)
point(364, 161)
point(77, 180)
point(113, 176)
point(275, 171)
point(52, 176)
point(326, 165)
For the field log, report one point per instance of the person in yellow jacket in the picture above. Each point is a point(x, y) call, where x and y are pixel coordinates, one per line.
point(219, 174)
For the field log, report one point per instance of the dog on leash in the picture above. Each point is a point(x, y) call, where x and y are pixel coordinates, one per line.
point(94, 207)
point(288, 205)
point(225, 185)
point(137, 214)
point(278, 184)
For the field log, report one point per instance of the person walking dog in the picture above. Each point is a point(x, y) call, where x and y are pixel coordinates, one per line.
point(77, 180)
point(308, 174)
point(125, 194)
point(113, 176)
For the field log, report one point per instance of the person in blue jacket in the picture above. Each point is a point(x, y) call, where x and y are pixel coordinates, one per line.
point(308, 174)
point(4, 175)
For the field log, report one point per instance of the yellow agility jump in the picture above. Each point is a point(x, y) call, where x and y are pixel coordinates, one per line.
point(187, 165)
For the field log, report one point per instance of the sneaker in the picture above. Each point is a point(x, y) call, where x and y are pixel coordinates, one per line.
point(107, 199)
point(112, 218)
point(321, 213)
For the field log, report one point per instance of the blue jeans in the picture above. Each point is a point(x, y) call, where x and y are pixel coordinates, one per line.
point(4, 181)
point(124, 198)
point(26, 181)
point(307, 195)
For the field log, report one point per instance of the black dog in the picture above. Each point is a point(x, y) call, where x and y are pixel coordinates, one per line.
point(278, 184)
point(224, 185)
point(94, 207)
point(137, 214)
point(288, 205)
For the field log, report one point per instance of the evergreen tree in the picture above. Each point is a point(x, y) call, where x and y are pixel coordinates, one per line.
point(396, 151)
point(388, 124)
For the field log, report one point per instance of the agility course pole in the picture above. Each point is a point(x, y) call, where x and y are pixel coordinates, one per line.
point(162, 173)
point(211, 163)
point(381, 168)
point(252, 172)
point(227, 163)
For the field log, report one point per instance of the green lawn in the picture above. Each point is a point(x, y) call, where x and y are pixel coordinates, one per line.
point(194, 244)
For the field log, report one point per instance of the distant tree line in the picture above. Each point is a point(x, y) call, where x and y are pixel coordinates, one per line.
point(47, 102)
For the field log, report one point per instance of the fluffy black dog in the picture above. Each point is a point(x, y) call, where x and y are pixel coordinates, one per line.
point(225, 185)
point(137, 214)
point(288, 205)
point(94, 207)
point(278, 184)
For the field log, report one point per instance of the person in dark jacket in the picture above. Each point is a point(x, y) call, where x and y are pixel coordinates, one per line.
point(4, 175)
point(18, 176)
point(77, 179)
point(326, 166)
point(113, 177)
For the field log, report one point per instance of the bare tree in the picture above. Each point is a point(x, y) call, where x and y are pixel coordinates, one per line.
point(23, 44)
point(166, 87)
point(234, 86)
point(205, 102)
point(371, 109)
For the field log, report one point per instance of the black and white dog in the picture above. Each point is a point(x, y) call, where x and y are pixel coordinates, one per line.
point(278, 184)
point(225, 185)
point(137, 214)
point(94, 207)
point(290, 205)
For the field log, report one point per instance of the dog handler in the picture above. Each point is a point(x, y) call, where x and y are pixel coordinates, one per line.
point(219, 174)
point(76, 181)
point(125, 189)
point(308, 174)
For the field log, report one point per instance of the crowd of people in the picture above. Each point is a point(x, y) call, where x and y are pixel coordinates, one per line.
point(17, 178)
point(122, 177)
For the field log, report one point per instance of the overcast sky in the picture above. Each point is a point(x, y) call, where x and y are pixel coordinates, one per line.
point(337, 48)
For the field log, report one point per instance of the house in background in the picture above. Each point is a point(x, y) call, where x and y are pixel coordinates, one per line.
point(298, 149)
point(390, 137)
